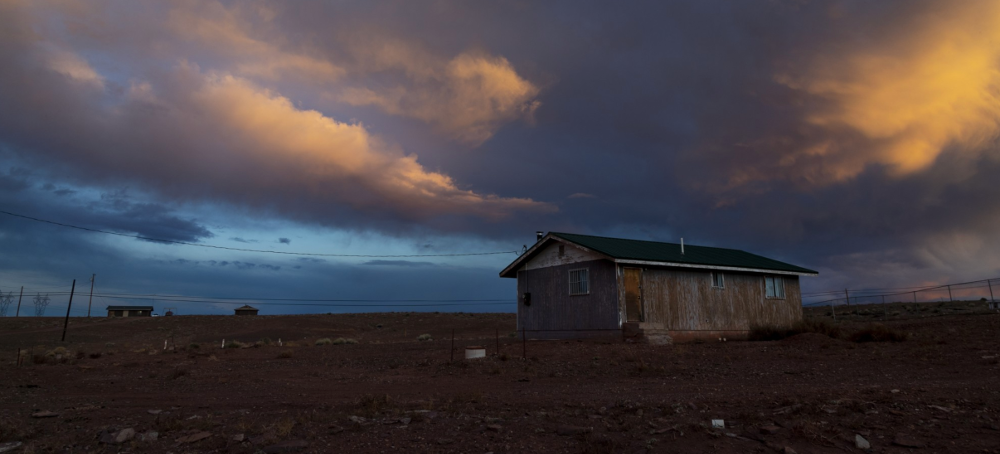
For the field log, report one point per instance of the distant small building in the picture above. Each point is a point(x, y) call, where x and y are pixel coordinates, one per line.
point(130, 311)
point(246, 310)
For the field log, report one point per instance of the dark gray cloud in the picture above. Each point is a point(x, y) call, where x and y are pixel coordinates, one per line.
point(284, 241)
point(779, 128)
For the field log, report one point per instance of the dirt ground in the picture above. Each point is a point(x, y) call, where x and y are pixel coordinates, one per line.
point(115, 386)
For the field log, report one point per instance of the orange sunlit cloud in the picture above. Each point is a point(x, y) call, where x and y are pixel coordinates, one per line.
point(911, 94)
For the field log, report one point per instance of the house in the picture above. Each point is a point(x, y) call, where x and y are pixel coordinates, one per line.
point(130, 311)
point(246, 310)
point(572, 285)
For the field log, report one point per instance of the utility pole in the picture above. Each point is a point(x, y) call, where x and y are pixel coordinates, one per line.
point(950, 299)
point(848, 296)
point(990, 284)
point(22, 295)
point(91, 294)
point(68, 307)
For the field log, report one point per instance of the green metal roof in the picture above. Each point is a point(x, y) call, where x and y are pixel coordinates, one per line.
point(654, 251)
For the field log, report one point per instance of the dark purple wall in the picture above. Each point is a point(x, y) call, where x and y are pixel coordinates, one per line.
point(552, 307)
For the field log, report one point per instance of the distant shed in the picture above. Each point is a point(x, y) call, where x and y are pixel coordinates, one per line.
point(130, 311)
point(246, 310)
point(579, 285)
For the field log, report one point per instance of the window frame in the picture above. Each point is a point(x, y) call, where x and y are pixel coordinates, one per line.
point(775, 287)
point(722, 279)
point(585, 281)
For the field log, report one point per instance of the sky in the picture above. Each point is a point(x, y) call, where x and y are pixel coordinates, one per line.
point(855, 138)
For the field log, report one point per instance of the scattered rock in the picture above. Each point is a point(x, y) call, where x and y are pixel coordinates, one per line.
point(44, 414)
point(907, 441)
point(9, 446)
point(788, 450)
point(861, 443)
point(149, 436)
point(124, 435)
point(357, 419)
point(939, 408)
point(194, 438)
point(106, 436)
point(335, 429)
point(569, 431)
point(494, 427)
point(287, 446)
point(405, 421)
point(718, 424)
point(239, 437)
point(154, 412)
point(445, 441)
point(769, 430)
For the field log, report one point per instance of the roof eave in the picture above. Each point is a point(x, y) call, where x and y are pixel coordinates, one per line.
point(712, 267)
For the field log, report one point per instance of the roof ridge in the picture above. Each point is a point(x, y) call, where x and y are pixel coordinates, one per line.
point(651, 241)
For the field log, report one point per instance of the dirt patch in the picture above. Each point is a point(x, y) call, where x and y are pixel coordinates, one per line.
point(392, 392)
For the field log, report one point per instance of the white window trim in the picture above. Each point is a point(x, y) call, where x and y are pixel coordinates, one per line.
point(722, 278)
point(587, 271)
point(775, 280)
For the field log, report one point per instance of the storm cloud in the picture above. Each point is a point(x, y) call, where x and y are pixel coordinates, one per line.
point(853, 137)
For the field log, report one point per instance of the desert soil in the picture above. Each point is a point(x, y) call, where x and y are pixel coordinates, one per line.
point(115, 386)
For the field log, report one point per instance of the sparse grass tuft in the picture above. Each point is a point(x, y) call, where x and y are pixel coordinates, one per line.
point(194, 346)
point(325, 341)
point(342, 341)
point(424, 337)
point(235, 344)
point(285, 354)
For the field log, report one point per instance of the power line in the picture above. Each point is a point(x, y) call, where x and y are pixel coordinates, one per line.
point(499, 303)
point(266, 251)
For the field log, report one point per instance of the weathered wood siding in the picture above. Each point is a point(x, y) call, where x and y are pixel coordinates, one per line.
point(684, 300)
point(553, 308)
point(552, 255)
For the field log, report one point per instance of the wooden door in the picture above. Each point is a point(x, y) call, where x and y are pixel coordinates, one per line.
point(633, 295)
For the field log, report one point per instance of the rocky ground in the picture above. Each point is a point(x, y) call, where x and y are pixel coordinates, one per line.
point(115, 389)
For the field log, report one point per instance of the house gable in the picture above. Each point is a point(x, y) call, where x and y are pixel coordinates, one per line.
point(558, 253)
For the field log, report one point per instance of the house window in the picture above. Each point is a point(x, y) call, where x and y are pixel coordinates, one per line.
point(718, 281)
point(774, 287)
point(579, 282)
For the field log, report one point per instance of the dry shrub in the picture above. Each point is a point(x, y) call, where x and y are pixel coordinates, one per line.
point(342, 341)
point(877, 332)
point(285, 354)
point(771, 333)
point(374, 404)
point(325, 341)
point(95, 355)
point(424, 337)
point(235, 344)
point(284, 427)
point(178, 373)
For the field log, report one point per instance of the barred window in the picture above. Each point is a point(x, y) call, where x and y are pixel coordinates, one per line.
point(718, 281)
point(774, 286)
point(579, 282)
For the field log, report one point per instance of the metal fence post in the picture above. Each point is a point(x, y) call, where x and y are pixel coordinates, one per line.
point(950, 299)
point(524, 344)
